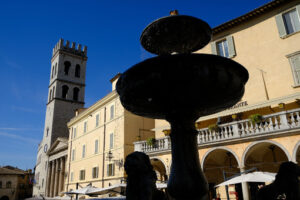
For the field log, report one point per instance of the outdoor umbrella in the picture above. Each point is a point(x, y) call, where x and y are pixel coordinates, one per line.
point(118, 189)
point(250, 177)
point(85, 190)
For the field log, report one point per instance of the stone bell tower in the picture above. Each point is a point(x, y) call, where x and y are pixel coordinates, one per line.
point(65, 96)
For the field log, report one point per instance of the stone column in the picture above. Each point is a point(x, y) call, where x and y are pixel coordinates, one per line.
point(56, 178)
point(61, 175)
point(52, 179)
point(245, 187)
point(48, 182)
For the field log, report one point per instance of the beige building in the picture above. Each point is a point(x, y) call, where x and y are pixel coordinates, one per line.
point(15, 184)
point(101, 136)
point(266, 42)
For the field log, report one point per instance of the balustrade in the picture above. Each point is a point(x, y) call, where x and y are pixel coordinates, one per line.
point(277, 122)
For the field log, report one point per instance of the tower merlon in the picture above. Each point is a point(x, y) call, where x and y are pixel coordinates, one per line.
point(71, 49)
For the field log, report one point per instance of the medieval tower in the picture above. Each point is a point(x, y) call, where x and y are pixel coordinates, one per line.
point(65, 96)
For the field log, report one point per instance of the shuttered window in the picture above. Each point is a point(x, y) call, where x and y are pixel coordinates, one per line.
point(82, 175)
point(110, 170)
point(96, 146)
point(111, 140)
point(295, 64)
point(224, 47)
point(288, 22)
point(95, 172)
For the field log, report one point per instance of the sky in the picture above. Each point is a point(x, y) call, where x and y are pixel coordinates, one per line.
point(111, 30)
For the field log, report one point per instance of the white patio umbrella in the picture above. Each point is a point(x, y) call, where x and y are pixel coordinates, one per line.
point(85, 190)
point(118, 189)
point(250, 177)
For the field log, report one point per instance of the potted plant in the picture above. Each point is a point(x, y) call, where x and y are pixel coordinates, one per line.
point(256, 118)
point(213, 127)
point(151, 141)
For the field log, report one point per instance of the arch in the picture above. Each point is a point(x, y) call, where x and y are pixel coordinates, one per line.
point(160, 168)
point(4, 198)
point(53, 92)
point(75, 93)
point(52, 73)
point(264, 141)
point(55, 69)
point(67, 67)
point(223, 148)
point(50, 95)
point(295, 152)
point(65, 90)
point(77, 71)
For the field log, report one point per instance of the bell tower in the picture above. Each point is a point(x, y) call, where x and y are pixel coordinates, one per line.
point(65, 96)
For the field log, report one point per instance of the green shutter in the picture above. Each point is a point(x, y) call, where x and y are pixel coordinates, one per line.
point(213, 48)
point(280, 25)
point(231, 48)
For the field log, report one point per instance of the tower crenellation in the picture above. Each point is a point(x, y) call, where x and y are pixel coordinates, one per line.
point(69, 47)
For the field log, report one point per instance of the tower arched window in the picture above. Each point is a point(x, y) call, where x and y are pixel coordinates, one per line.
point(52, 71)
point(65, 90)
point(50, 95)
point(67, 67)
point(55, 68)
point(77, 71)
point(53, 92)
point(75, 94)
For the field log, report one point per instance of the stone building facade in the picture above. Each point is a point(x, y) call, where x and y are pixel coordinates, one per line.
point(266, 42)
point(66, 95)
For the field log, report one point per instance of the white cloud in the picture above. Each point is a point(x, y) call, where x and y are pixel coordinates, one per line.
point(18, 137)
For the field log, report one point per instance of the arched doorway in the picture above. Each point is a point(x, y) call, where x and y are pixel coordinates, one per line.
point(160, 170)
point(218, 165)
point(264, 156)
point(296, 153)
point(4, 198)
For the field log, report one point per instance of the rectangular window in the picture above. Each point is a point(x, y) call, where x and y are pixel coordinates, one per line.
point(295, 65)
point(288, 22)
point(85, 127)
point(111, 140)
point(73, 154)
point(291, 21)
point(222, 48)
point(72, 177)
point(96, 146)
point(95, 172)
point(74, 132)
point(82, 175)
point(110, 170)
point(97, 120)
point(83, 151)
point(112, 112)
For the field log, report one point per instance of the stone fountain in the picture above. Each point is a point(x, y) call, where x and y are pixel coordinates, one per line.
point(180, 86)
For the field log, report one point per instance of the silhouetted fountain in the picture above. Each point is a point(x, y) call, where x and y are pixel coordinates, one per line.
point(180, 86)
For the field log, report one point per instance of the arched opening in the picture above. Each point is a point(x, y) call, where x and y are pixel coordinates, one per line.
point(50, 95)
point(75, 94)
point(52, 71)
point(264, 156)
point(4, 198)
point(77, 71)
point(297, 153)
point(160, 170)
point(218, 166)
point(67, 67)
point(65, 90)
point(53, 92)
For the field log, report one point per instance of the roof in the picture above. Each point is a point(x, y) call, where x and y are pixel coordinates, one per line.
point(250, 15)
point(5, 171)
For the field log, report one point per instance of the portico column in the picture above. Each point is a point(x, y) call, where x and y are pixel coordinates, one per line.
point(52, 179)
point(48, 182)
point(245, 187)
point(61, 174)
point(56, 177)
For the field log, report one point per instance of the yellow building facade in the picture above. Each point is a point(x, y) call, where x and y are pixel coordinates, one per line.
point(101, 136)
point(266, 42)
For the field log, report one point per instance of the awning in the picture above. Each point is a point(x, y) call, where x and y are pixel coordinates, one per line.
point(285, 99)
point(250, 177)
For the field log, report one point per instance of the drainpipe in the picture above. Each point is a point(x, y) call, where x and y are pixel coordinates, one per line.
point(103, 159)
point(69, 162)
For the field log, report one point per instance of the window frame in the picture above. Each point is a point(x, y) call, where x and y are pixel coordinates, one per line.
point(96, 146)
point(281, 25)
point(230, 45)
point(110, 169)
point(82, 175)
point(95, 174)
point(83, 151)
point(294, 71)
point(111, 140)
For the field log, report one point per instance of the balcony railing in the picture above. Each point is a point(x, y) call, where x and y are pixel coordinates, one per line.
point(272, 124)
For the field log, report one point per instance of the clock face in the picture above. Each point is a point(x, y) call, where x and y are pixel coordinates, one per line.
point(45, 148)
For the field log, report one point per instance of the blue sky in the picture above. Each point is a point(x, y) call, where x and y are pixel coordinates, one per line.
point(111, 30)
